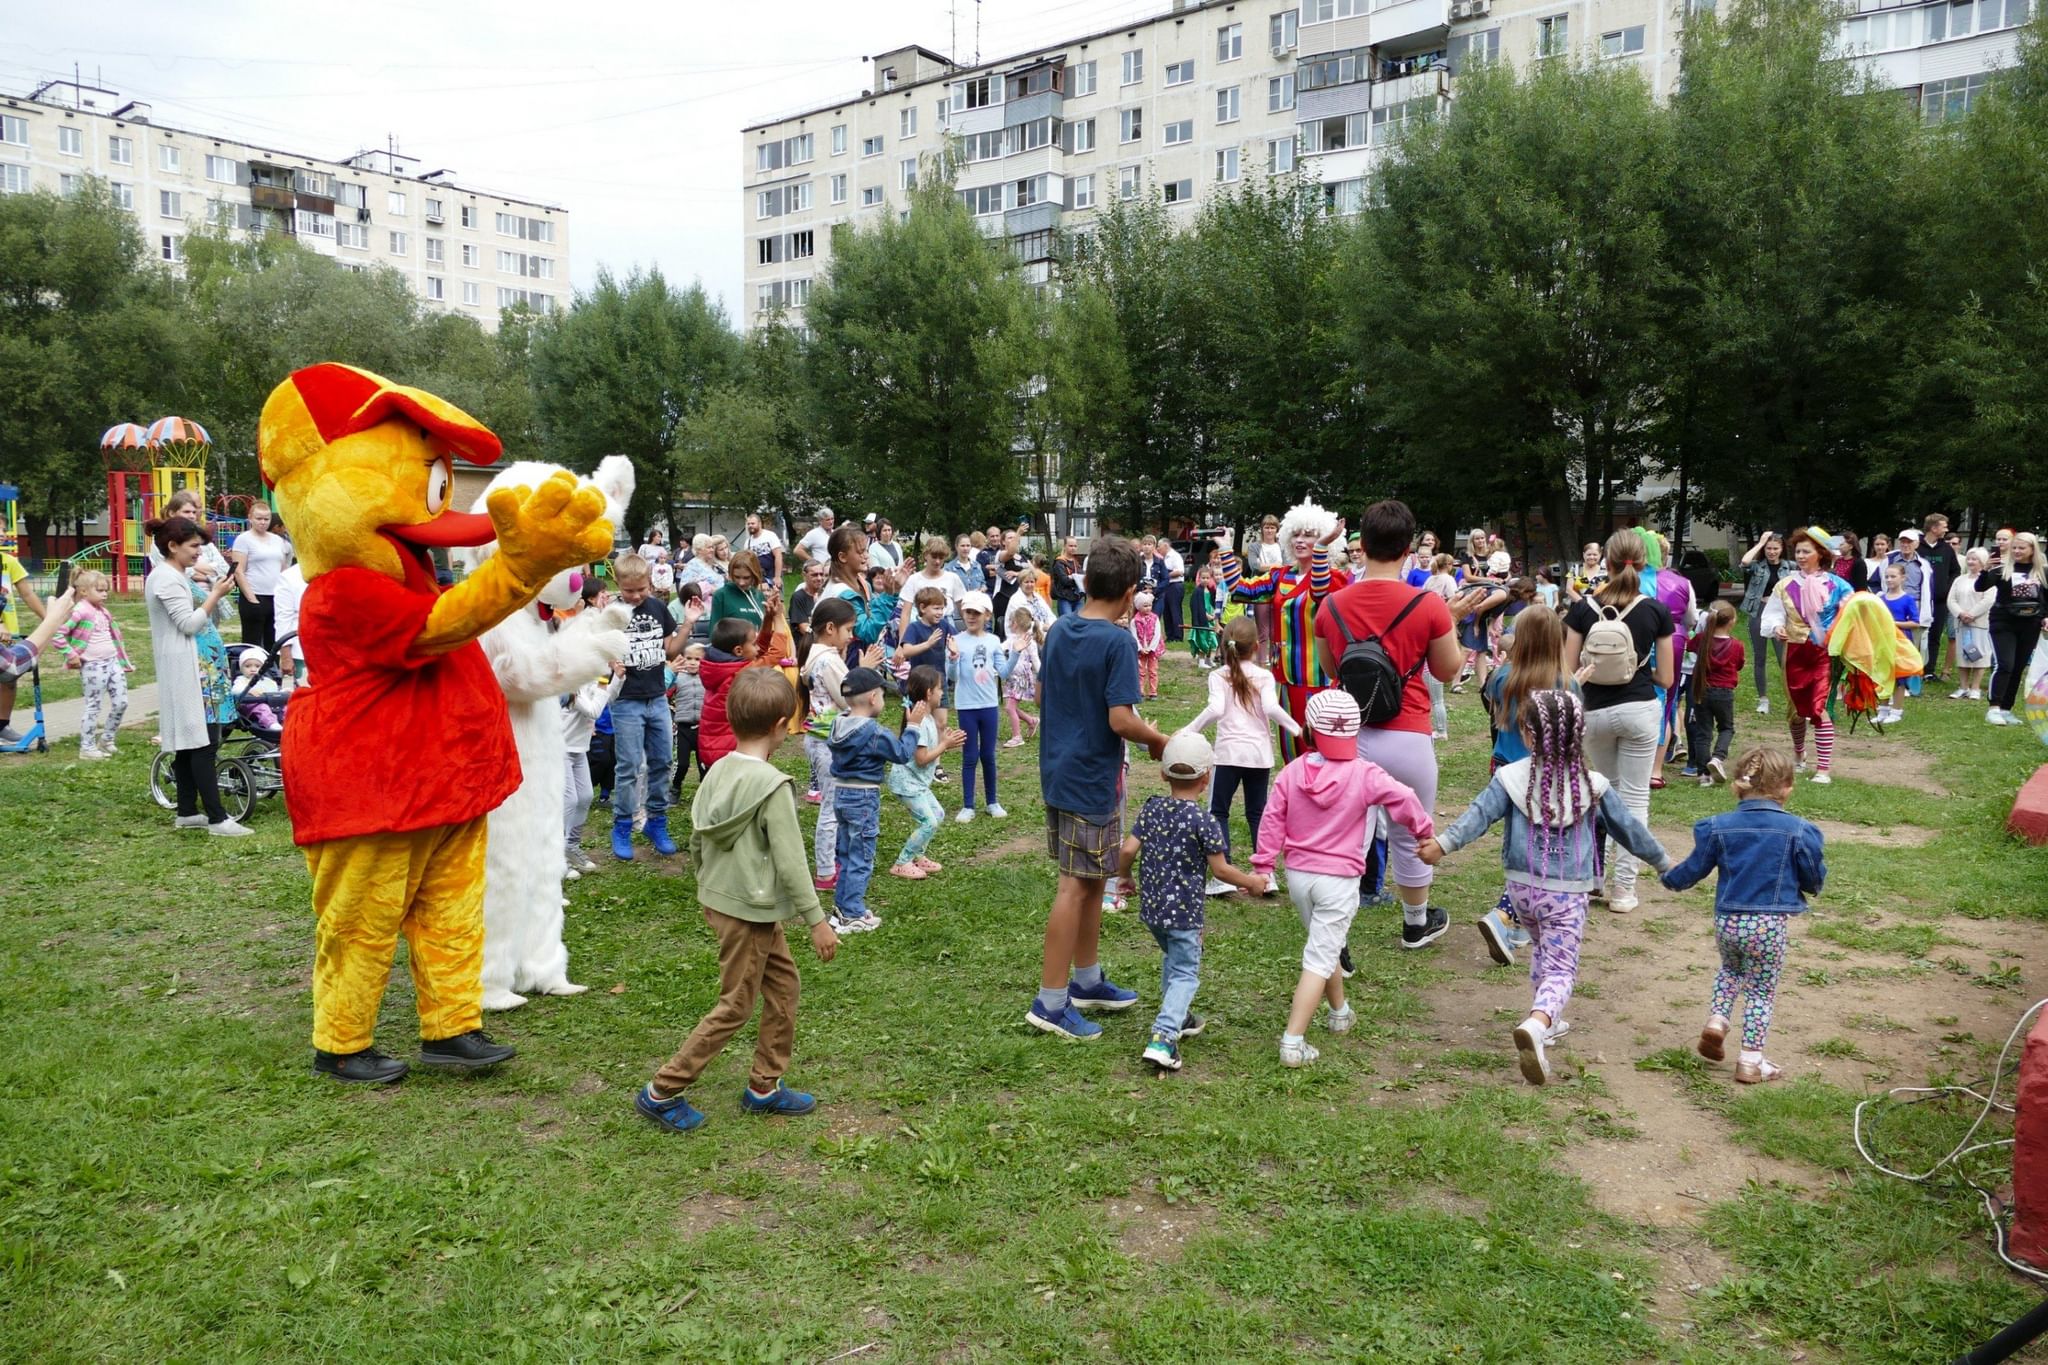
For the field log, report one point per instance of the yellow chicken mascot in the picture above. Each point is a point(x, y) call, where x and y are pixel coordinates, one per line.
point(401, 748)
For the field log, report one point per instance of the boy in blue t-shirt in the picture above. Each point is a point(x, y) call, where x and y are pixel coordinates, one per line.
point(1088, 689)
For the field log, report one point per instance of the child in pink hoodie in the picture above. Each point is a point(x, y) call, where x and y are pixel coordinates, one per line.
point(1316, 820)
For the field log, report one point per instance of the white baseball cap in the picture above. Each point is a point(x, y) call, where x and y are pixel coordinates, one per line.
point(977, 601)
point(1187, 756)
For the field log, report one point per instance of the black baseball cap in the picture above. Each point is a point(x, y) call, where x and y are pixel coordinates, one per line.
point(859, 682)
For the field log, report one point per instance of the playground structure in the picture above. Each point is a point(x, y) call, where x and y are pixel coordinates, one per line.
point(10, 519)
point(145, 467)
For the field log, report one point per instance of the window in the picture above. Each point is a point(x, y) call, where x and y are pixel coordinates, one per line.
point(1180, 73)
point(1283, 30)
point(1226, 165)
point(802, 244)
point(1081, 79)
point(767, 250)
point(1553, 35)
point(121, 150)
point(1080, 137)
point(1127, 183)
point(983, 200)
point(986, 146)
point(799, 149)
point(168, 159)
point(908, 171)
point(1227, 106)
point(71, 141)
point(468, 215)
point(838, 188)
point(906, 122)
point(124, 195)
point(1345, 196)
point(1132, 124)
point(355, 235)
point(1982, 16)
point(437, 288)
point(14, 129)
point(472, 294)
point(797, 197)
point(472, 255)
point(170, 204)
point(1322, 11)
point(979, 93)
point(221, 169)
point(1335, 68)
point(768, 157)
point(1472, 49)
point(768, 203)
point(355, 196)
point(1941, 101)
point(399, 244)
point(1230, 42)
point(1389, 125)
point(1279, 155)
point(871, 146)
point(1030, 191)
point(1178, 191)
point(68, 185)
point(870, 196)
point(432, 211)
point(799, 293)
point(1037, 81)
point(394, 201)
point(13, 178)
point(1279, 93)
point(171, 248)
point(528, 229)
point(1038, 133)
point(1134, 66)
point(1177, 133)
point(437, 250)
point(839, 139)
point(1081, 192)
point(1625, 42)
point(537, 301)
point(533, 267)
point(1335, 134)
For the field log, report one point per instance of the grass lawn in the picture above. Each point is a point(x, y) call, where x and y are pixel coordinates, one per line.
point(172, 1178)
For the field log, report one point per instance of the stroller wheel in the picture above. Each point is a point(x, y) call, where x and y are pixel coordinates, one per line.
point(162, 785)
point(237, 789)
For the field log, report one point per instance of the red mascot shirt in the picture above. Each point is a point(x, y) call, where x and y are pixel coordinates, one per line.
point(386, 741)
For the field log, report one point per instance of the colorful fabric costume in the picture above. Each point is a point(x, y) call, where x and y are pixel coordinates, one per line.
point(402, 746)
point(1293, 596)
point(1805, 606)
point(1871, 653)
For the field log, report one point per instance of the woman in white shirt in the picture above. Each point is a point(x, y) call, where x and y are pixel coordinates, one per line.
point(259, 556)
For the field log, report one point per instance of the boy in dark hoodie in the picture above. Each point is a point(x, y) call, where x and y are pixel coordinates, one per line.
point(732, 649)
point(751, 876)
point(861, 754)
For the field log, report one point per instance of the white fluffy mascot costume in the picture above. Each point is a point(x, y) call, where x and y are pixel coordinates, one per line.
point(524, 861)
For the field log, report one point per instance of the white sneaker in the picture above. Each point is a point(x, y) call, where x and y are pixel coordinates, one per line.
point(1217, 887)
point(1341, 1021)
point(1622, 905)
point(1439, 734)
point(1558, 1030)
point(965, 817)
point(996, 812)
point(1530, 1037)
point(1297, 1054)
point(1822, 778)
point(89, 754)
point(1800, 766)
point(1960, 694)
point(1763, 706)
point(1996, 717)
point(229, 829)
point(1272, 886)
point(189, 822)
point(572, 875)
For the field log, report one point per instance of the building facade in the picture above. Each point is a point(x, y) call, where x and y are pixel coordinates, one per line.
point(460, 249)
point(1196, 99)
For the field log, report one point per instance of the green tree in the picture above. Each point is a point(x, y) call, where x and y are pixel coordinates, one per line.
point(1080, 394)
point(90, 335)
point(921, 353)
point(621, 371)
point(1503, 298)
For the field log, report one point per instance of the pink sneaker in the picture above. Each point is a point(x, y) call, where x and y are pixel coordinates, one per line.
point(813, 798)
point(928, 865)
point(910, 872)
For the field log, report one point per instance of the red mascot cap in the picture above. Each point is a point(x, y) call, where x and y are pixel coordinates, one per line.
point(341, 400)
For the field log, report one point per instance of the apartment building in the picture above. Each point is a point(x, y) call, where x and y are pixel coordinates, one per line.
point(1195, 99)
point(461, 249)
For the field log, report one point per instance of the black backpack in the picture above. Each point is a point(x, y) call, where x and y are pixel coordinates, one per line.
point(1369, 675)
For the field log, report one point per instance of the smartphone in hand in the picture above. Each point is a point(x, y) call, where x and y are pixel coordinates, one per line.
point(63, 578)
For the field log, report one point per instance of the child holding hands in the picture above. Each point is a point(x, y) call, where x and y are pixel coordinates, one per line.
point(1770, 861)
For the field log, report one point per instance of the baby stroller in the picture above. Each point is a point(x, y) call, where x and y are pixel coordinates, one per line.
point(249, 761)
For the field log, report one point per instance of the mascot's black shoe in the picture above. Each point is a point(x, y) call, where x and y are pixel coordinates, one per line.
point(471, 1051)
point(368, 1066)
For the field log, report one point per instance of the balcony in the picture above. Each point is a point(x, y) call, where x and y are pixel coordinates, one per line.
point(1434, 83)
point(273, 197)
point(1410, 21)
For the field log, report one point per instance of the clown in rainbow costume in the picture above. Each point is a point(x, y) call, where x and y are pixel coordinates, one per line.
point(401, 747)
point(1307, 534)
point(1802, 612)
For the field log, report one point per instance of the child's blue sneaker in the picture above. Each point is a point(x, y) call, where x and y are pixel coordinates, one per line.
point(1068, 1023)
point(657, 834)
point(622, 839)
point(782, 1100)
point(1499, 937)
point(1163, 1053)
point(1103, 995)
point(676, 1112)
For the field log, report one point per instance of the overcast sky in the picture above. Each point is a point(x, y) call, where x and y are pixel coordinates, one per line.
point(627, 114)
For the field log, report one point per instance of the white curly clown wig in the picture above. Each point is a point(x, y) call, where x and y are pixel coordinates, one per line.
point(1309, 518)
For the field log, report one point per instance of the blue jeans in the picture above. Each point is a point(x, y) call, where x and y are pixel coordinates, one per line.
point(1180, 972)
point(860, 823)
point(1064, 608)
point(983, 727)
point(925, 808)
point(642, 735)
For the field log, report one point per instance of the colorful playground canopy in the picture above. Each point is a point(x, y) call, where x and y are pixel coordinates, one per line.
point(125, 436)
point(177, 431)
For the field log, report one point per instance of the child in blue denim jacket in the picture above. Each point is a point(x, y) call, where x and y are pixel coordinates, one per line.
point(1770, 861)
point(862, 750)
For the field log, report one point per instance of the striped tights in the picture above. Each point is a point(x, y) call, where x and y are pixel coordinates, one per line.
point(1823, 741)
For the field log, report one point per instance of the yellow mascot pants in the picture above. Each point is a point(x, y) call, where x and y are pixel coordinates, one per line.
point(427, 884)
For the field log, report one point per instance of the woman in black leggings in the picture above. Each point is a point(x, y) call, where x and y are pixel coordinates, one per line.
point(2017, 614)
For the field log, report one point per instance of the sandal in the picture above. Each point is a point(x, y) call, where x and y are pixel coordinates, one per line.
point(1757, 1072)
point(908, 871)
point(929, 865)
point(1014, 742)
point(1711, 1039)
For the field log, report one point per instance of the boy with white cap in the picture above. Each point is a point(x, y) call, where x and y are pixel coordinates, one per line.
point(1316, 820)
point(1183, 846)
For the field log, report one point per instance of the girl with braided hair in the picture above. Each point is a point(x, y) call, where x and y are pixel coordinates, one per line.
point(1554, 806)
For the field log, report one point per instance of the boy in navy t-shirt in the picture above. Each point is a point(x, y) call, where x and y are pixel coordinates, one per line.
point(1088, 689)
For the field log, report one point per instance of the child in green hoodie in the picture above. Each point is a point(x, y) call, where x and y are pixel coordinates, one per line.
point(752, 875)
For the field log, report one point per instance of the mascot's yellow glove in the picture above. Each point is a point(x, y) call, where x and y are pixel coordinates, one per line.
point(541, 531)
